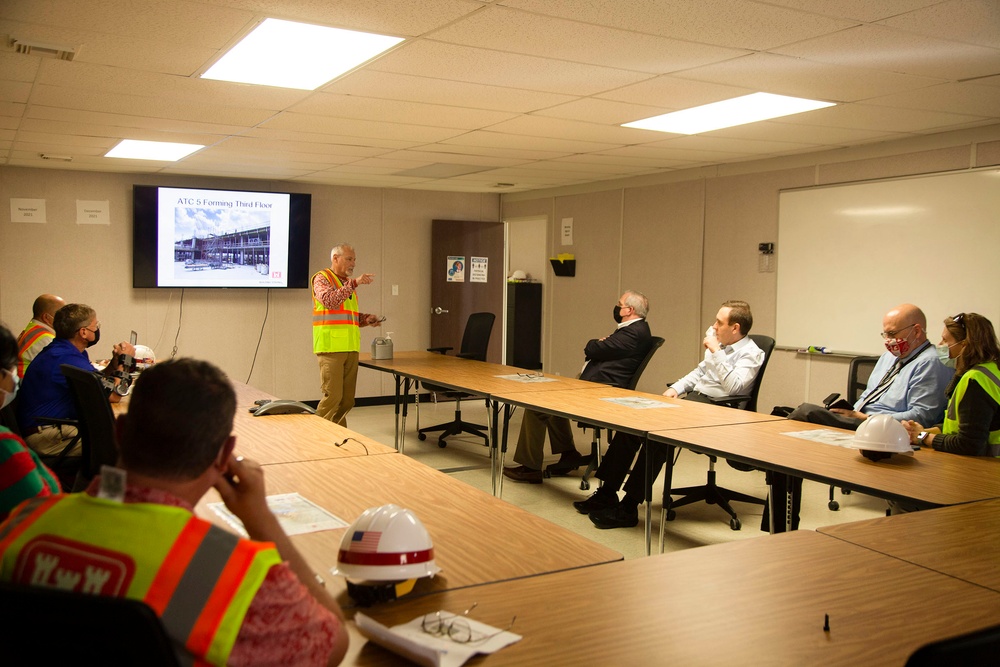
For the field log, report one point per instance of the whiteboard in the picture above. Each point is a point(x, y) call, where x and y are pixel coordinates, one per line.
point(847, 254)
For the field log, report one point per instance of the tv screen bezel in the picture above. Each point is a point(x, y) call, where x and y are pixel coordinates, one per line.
point(145, 230)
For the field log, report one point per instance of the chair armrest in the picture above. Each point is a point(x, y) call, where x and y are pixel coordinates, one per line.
point(465, 355)
point(55, 421)
point(731, 401)
point(440, 350)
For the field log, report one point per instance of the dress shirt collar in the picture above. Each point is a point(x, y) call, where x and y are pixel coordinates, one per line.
point(622, 325)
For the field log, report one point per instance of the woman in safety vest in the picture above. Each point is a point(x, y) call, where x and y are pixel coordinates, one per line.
point(972, 420)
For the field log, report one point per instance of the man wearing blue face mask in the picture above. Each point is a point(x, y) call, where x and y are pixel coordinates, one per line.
point(45, 391)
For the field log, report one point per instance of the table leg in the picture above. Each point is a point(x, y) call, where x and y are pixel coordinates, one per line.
point(407, 383)
point(771, 500)
point(668, 483)
point(396, 416)
point(648, 491)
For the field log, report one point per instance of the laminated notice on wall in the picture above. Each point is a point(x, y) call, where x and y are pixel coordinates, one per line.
point(456, 269)
point(92, 212)
point(478, 269)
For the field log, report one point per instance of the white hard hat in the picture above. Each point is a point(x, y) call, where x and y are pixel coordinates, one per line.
point(881, 435)
point(519, 275)
point(144, 356)
point(386, 543)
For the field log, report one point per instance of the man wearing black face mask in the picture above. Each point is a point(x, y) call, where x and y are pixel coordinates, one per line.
point(44, 390)
point(610, 360)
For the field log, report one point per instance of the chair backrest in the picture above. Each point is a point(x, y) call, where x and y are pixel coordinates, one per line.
point(765, 343)
point(477, 335)
point(857, 377)
point(969, 650)
point(96, 422)
point(654, 344)
point(81, 628)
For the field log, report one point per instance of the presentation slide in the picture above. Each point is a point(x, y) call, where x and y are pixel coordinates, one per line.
point(217, 238)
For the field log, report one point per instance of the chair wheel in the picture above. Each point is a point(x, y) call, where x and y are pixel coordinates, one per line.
point(735, 524)
point(833, 505)
point(671, 515)
point(421, 436)
point(442, 443)
point(584, 485)
point(846, 492)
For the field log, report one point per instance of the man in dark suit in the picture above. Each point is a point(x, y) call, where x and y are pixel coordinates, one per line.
point(610, 360)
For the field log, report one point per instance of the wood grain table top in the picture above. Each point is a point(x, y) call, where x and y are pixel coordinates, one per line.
point(592, 405)
point(961, 541)
point(758, 601)
point(477, 538)
point(928, 477)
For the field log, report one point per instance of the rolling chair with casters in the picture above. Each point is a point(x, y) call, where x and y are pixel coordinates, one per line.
point(595, 444)
point(857, 380)
point(84, 629)
point(475, 341)
point(96, 424)
point(710, 492)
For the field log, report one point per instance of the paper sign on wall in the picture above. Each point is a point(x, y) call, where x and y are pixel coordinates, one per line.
point(478, 267)
point(27, 210)
point(93, 212)
point(456, 269)
point(567, 231)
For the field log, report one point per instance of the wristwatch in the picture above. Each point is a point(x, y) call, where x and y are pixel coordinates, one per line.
point(921, 437)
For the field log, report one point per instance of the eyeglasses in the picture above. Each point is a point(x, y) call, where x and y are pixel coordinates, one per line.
point(957, 319)
point(892, 334)
point(457, 628)
point(95, 329)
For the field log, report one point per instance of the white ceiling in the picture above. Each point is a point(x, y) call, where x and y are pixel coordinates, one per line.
point(486, 92)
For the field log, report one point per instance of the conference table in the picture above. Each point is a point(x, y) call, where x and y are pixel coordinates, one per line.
point(477, 538)
point(479, 378)
point(961, 541)
point(758, 601)
point(928, 478)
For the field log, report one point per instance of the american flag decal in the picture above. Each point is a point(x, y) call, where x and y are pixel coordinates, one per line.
point(365, 541)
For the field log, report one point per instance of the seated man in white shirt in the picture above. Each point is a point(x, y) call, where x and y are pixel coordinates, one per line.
point(731, 364)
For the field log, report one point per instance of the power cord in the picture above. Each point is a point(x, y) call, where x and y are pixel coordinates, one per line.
point(180, 315)
point(344, 442)
point(267, 309)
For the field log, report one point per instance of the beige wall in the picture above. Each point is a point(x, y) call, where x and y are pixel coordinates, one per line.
point(390, 230)
point(688, 240)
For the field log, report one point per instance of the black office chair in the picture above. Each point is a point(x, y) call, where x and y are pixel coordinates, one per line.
point(82, 628)
point(857, 380)
point(475, 341)
point(974, 649)
point(95, 422)
point(710, 492)
point(62, 465)
point(595, 443)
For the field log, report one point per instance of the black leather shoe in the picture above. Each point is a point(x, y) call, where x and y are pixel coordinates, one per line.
point(567, 463)
point(615, 517)
point(596, 502)
point(523, 474)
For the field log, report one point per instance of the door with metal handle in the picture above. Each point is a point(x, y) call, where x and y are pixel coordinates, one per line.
point(438, 311)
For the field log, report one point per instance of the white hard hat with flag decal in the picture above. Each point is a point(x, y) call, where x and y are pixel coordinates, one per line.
point(383, 553)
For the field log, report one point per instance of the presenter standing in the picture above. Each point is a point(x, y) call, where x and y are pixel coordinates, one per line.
point(336, 326)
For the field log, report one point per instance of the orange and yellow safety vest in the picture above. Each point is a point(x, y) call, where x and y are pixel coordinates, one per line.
point(335, 330)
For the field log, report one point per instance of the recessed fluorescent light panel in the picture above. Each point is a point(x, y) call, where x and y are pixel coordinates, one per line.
point(728, 113)
point(163, 151)
point(297, 55)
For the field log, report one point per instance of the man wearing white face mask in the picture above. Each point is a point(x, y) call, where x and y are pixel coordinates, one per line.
point(22, 474)
point(908, 382)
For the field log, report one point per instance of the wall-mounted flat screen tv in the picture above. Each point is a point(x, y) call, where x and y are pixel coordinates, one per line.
point(195, 237)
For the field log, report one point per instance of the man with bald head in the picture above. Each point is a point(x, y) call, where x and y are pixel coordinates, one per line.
point(907, 381)
point(39, 332)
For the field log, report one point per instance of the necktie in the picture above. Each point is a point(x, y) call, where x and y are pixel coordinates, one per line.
point(883, 385)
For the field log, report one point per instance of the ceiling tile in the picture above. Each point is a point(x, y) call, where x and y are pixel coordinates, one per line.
point(437, 115)
point(969, 21)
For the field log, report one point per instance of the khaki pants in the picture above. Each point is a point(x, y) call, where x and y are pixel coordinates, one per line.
point(338, 376)
point(530, 450)
point(51, 440)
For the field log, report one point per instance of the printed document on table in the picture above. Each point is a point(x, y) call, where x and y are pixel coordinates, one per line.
point(825, 436)
point(295, 514)
point(639, 403)
point(526, 377)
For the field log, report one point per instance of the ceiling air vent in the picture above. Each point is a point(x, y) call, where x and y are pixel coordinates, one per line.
point(45, 50)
